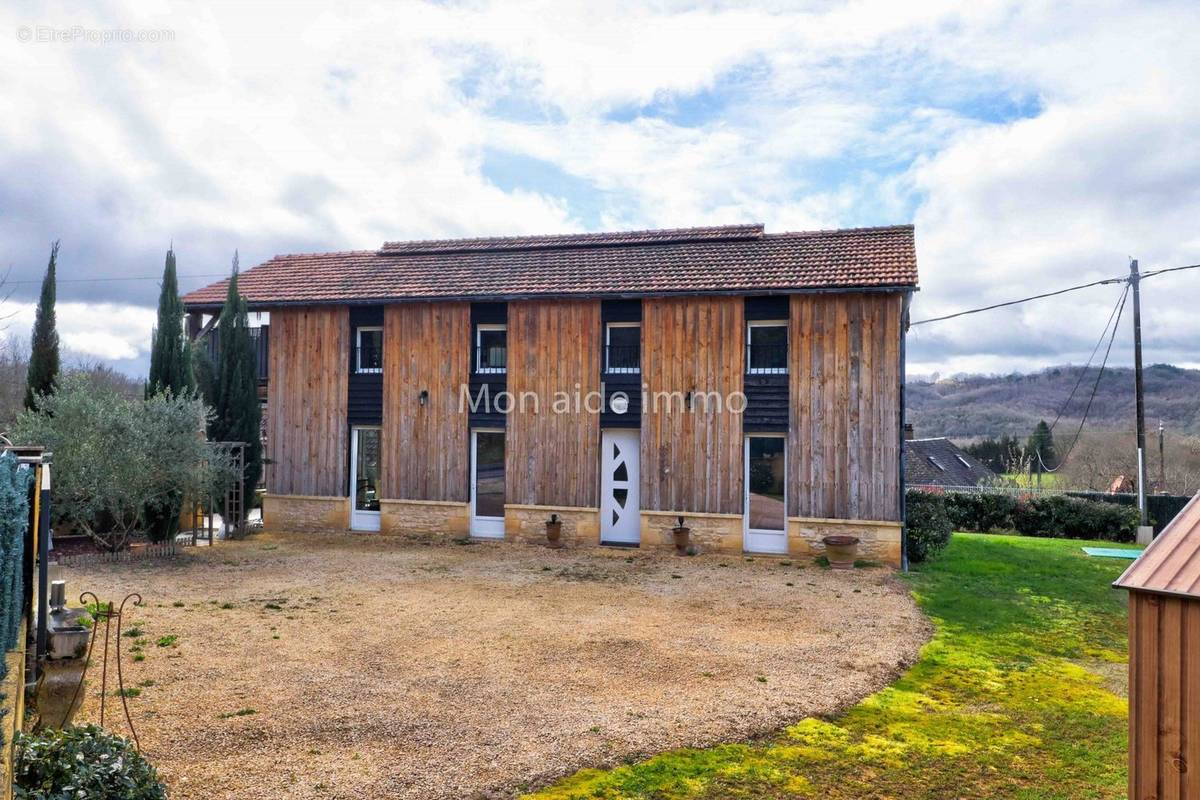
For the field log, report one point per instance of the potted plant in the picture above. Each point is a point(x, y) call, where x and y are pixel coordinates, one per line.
point(554, 531)
point(682, 535)
point(841, 550)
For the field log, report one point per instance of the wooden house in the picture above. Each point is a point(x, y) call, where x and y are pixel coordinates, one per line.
point(749, 382)
point(1164, 661)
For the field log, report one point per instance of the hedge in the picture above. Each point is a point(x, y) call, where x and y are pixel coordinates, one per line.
point(928, 524)
point(1057, 516)
point(14, 521)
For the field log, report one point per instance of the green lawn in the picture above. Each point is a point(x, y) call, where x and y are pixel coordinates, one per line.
point(1020, 694)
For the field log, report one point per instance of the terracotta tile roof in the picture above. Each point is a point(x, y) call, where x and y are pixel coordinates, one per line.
point(1171, 564)
point(737, 258)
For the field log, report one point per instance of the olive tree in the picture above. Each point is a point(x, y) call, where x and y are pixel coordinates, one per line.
point(114, 457)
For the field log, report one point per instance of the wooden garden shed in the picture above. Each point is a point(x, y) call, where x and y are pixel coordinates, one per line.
point(1164, 662)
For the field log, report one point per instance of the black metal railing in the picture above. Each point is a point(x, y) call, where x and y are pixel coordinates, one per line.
point(623, 358)
point(368, 359)
point(493, 358)
point(259, 339)
point(766, 359)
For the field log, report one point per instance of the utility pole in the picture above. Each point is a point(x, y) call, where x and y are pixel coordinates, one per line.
point(1134, 283)
point(1162, 459)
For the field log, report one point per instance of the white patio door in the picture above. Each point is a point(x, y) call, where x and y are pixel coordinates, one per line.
point(364, 479)
point(487, 484)
point(766, 495)
point(620, 518)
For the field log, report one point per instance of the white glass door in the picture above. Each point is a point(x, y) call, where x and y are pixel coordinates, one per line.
point(487, 484)
point(766, 501)
point(364, 479)
point(620, 517)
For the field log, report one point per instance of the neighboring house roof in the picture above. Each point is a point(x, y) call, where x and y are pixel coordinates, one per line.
point(1170, 564)
point(939, 462)
point(727, 259)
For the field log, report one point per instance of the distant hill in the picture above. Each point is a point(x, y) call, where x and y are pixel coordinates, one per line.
point(964, 407)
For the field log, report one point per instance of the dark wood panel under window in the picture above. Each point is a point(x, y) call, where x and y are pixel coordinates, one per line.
point(364, 404)
point(485, 414)
point(771, 307)
point(620, 362)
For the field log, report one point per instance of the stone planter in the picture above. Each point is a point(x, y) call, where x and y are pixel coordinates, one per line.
point(68, 642)
point(59, 694)
point(682, 535)
point(554, 531)
point(841, 550)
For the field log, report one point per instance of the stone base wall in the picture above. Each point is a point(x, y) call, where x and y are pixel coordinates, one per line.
point(425, 518)
point(293, 512)
point(527, 524)
point(878, 541)
point(711, 533)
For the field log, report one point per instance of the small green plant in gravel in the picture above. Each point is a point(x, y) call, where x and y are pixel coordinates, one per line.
point(170, 640)
point(128, 691)
point(241, 712)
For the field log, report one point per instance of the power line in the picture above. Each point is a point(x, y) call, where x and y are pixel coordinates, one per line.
point(1095, 387)
point(1152, 273)
point(1104, 282)
point(113, 279)
point(1083, 372)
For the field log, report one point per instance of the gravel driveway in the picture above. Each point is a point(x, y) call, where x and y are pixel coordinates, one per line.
point(325, 666)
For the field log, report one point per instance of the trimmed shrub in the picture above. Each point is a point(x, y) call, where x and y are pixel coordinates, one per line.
point(981, 511)
point(1059, 516)
point(83, 762)
point(928, 524)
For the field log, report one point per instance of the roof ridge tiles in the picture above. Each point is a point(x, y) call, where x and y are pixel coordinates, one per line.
point(653, 236)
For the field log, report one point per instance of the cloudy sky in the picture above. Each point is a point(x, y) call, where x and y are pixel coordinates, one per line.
point(1034, 145)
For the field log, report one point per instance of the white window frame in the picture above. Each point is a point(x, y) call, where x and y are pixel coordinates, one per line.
point(484, 527)
point(358, 367)
point(361, 520)
point(608, 342)
point(766, 323)
point(479, 329)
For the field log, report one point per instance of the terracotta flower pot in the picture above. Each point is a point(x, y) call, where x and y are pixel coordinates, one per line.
point(841, 550)
point(682, 535)
point(554, 532)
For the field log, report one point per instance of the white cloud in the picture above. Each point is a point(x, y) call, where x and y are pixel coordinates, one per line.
point(108, 331)
point(1035, 144)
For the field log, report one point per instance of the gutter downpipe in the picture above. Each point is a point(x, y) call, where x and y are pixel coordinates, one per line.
point(904, 324)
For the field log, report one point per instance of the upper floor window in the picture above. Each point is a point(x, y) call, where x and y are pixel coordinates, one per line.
point(623, 347)
point(491, 348)
point(368, 350)
point(766, 347)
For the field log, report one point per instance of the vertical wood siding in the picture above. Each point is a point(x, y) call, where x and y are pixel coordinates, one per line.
point(553, 459)
point(307, 435)
point(1164, 696)
point(425, 449)
point(843, 438)
point(692, 461)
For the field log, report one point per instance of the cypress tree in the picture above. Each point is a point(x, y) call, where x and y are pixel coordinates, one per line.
point(171, 373)
point(42, 375)
point(170, 370)
point(238, 414)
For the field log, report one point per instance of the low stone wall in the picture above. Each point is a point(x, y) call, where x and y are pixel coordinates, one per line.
point(527, 524)
point(425, 518)
point(878, 541)
point(710, 533)
point(293, 512)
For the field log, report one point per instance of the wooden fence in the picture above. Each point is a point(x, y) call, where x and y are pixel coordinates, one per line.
point(141, 553)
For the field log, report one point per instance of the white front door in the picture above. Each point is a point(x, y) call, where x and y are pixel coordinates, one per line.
point(487, 484)
point(766, 495)
point(364, 479)
point(620, 519)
